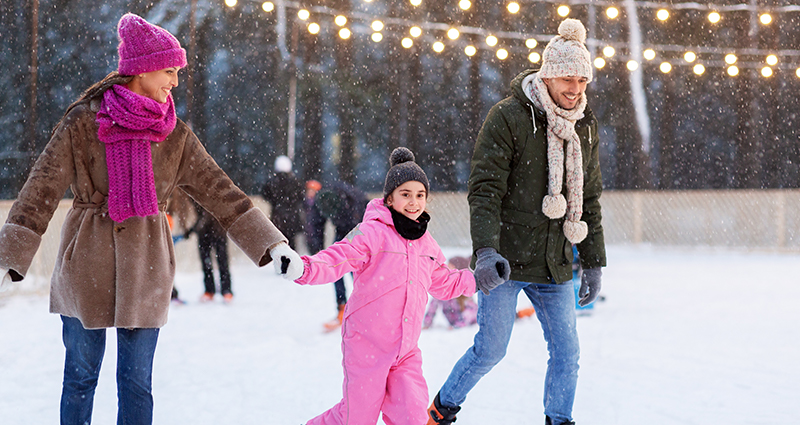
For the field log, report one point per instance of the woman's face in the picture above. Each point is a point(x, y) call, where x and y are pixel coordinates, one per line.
point(408, 199)
point(156, 85)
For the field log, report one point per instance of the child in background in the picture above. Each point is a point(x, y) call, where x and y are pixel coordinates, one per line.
point(461, 311)
point(395, 264)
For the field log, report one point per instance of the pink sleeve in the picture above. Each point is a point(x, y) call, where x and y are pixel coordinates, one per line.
point(447, 283)
point(334, 261)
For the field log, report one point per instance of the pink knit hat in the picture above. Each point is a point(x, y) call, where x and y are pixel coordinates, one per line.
point(566, 55)
point(144, 47)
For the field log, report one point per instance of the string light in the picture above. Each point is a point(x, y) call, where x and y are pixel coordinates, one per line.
point(797, 72)
point(377, 37)
point(772, 60)
point(632, 65)
point(438, 47)
point(502, 54)
point(665, 67)
point(599, 63)
point(377, 25)
point(470, 50)
point(406, 42)
point(515, 40)
point(766, 72)
point(699, 69)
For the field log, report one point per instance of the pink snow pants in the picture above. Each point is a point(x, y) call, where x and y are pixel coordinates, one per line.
point(395, 388)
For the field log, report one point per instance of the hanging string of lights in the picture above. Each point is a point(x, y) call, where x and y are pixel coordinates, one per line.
point(504, 44)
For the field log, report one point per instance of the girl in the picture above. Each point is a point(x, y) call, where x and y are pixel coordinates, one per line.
point(395, 263)
point(122, 152)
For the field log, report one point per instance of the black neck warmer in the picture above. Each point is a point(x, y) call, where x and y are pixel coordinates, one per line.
point(408, 228)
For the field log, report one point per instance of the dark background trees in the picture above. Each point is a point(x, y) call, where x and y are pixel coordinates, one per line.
point(355, 99)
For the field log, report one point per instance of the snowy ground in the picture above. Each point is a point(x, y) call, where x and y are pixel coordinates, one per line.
point(684, 337)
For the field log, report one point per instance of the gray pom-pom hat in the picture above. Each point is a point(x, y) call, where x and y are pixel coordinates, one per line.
point(403, 169)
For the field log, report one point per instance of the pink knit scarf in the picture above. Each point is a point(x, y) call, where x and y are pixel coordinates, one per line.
point(127, 123)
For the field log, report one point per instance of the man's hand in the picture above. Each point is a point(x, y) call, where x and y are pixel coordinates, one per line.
point(590, 286)
point(491, 270)
point(287, 263)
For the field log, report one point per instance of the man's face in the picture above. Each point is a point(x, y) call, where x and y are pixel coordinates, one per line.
point(566, 92)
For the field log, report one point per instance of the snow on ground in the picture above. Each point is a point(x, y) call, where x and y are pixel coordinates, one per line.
point(685, 336)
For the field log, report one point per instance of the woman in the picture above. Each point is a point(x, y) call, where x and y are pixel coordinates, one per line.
point(122, 152)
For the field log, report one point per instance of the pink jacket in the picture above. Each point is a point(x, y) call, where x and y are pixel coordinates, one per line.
point(392, 276)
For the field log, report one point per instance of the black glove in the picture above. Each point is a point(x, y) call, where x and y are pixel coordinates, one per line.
point(590, 286)
point(491, 270)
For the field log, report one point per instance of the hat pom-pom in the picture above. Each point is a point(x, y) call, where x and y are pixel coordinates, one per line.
point(576, 231)
point(400, 155)
point(554, 206)
point(572, 29)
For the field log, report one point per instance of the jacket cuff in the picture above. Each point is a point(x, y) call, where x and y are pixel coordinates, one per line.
point(254, 234)
point(18, 245)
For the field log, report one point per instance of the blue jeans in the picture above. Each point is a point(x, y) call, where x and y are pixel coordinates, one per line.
point(85, 349)
point(555, 309)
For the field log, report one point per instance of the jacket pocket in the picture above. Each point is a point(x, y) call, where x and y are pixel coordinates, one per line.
point(523, 236)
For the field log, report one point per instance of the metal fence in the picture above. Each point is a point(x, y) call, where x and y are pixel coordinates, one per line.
point(748, 219)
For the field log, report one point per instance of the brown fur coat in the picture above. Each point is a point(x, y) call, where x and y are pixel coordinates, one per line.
point(111, 274)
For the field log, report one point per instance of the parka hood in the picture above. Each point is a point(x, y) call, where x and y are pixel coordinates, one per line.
point(379, 212)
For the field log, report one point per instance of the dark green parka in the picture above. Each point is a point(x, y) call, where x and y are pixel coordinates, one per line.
point(508, 182)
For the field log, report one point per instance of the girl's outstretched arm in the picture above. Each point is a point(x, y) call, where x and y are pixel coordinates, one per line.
point(347, 255)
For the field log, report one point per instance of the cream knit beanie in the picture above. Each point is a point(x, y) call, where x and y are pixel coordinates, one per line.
point(566, 55)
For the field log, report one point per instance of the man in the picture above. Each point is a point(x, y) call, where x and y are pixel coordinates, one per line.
point(534, 190)
point(284, 192)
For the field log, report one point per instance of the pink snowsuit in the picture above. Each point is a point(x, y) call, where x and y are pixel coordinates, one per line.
point(392, 277)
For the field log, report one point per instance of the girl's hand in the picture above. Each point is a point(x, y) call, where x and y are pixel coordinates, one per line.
point(5, 280)
point(287, 262)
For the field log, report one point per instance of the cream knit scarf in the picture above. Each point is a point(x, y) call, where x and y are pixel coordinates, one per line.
point(561, 130)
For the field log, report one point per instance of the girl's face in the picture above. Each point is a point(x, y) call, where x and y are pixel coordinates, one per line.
point(156, 85)
point(408, 199)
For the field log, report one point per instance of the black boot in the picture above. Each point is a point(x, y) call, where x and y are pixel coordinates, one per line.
point(441, 415)
point(548, 421)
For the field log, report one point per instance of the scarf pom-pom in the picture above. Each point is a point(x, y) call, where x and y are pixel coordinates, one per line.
point(576, 231)
point(554, 206)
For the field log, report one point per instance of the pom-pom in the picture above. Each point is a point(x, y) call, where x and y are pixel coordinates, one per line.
point(572, 29)
point(400, 155)
point(554, 206)
point(576, 231)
